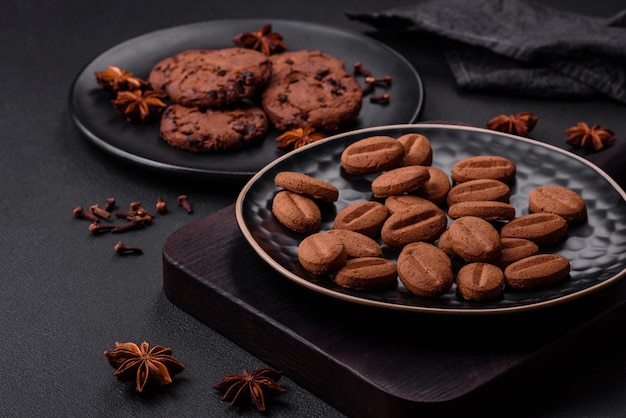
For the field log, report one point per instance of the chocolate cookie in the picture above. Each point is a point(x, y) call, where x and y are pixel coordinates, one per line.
point(310, 89)
point(209, 130)
point(211, 77)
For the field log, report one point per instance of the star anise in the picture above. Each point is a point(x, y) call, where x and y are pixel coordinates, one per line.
point(139, 105)
point(520, 124)
point(263, 40)
point(298, 137)
point(258, 385)
point(143, 364)
point(116, 79)
point(595, 138)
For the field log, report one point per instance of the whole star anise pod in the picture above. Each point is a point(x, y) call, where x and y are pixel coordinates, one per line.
point(139, 105)
point(595, 138)
point(298, 137)
point(520, 124)
point(143, 364)
point(258, 385)
point(263, 40)
point(116, 79)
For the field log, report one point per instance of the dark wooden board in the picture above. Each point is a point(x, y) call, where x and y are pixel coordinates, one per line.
point(365, 361)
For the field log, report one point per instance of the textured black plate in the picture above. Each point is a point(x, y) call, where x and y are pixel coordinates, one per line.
point(93, 114)
point(596, 248)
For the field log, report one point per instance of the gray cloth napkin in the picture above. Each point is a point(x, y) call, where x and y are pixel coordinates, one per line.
point(519, 47)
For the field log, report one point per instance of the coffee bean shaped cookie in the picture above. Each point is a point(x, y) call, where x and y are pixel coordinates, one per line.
point(479, 190)
point(367, 273)
point(514, 249)
point(544, 229)
point(322, 253)
point(417, 149)
point(372, 155)
point(484, 167)
point(398, 203)
point(480, 282)
point(425, 270)
point(558, 200)
point(366, 217)
point(417, 223)
point(436, 188)
point(357, 244)
point(537, 271)
point(487, 210)
point(307, 185)
point(296, 212)
point(399, 181)
point(474, 239)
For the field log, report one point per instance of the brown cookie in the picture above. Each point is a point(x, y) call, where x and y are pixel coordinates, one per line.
point(297, 212)
point(514, 249)
point(357, 244)
point(474, 239)
point(488, 210)
point(366, 217)
point(558, 200)
point(307, 185)
point(484, 167)
point(537, 271)
point(543, 229)
point(399, 181)
point(417, 223)
point(367, 273)
point(322, 253)
point(202, 131)
point(398, 203)
point(372, 155)
point(480, 189)
point(310, 89)
point(480, 282)
point(417, 150)
point(211, 77)
point(436, 188)
point(425, 270)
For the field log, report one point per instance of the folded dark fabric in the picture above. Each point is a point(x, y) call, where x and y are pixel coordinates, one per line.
point(520, 46)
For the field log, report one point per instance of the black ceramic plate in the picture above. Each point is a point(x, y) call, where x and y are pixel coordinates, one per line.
point(596, 248)
point(92, 111)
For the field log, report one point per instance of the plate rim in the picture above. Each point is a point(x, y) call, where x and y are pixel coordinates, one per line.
point(410, 308)
point(233, 173)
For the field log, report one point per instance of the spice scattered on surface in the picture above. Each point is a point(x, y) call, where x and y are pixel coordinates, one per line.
point(359, 69)
point(256, 386)
point(161, 205)
point(143, 365)
point(519, 124)
point(298, 137)
point(139, 105)
point(183, 202)
point(115, 79)
point(121, 249)
point(595, 138)
point(382, 99)
point(263, 40)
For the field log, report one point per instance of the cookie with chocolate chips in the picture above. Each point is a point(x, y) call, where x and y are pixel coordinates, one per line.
point(209, 130)
point(211, 77)
point(310, 89)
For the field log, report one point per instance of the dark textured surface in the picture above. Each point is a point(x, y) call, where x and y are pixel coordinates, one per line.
point(65, 297)
point(596, 248)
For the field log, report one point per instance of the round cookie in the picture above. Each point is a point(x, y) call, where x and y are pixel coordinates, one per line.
point(197, 130)
point(306, 185)
point(211, 77)
point(558, 200)
point(310, 89)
